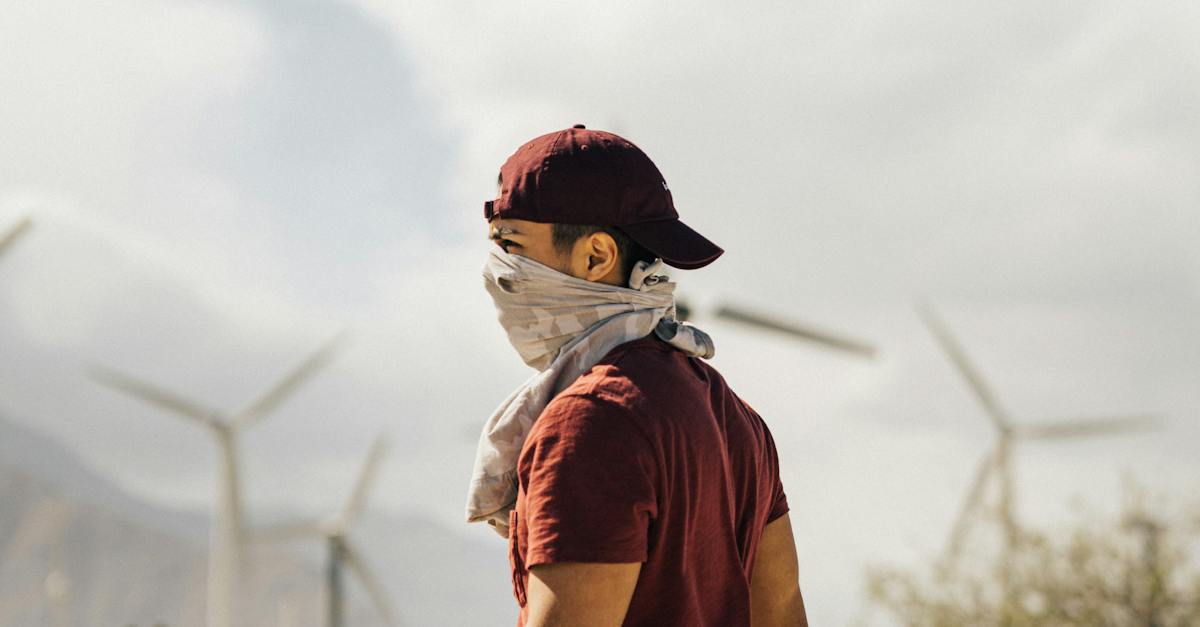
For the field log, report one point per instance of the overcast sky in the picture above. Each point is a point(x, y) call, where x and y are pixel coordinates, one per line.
point(221, 187)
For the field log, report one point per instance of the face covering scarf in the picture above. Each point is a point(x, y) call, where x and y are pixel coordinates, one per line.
point(562, 326)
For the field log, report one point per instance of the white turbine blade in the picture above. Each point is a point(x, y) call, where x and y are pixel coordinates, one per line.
point(1083, 427)
point(358, 498)
point(374, 589)
point(152, 394)
point(14, 232)
point(965, 368)
point(793, 329)
point(289, 383)
point(287, 532)
point(974, 498)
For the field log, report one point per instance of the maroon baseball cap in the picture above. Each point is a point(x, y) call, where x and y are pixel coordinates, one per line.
point(581, 176)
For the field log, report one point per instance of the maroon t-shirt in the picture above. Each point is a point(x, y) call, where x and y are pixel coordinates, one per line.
point(650, 457)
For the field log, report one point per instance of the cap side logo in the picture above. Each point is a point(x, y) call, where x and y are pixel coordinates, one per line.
point(664, 184)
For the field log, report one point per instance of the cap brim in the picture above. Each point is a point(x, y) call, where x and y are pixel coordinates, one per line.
point(677, 243)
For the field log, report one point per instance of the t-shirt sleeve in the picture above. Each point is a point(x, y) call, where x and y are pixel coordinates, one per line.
point(779, 504)
point(589, 478)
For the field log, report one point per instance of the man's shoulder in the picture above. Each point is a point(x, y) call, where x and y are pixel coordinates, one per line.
point(609, 399)
point(642, 378)
point(635, 369)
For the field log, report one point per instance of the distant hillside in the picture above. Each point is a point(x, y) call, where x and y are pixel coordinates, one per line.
point(67, 475)
point(130, 562)
point(123, 561)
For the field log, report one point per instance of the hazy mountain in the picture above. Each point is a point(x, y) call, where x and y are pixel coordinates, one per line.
point(40, 456)
point(120, 560)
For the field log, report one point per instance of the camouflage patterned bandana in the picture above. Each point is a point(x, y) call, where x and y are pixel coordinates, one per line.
point(562, 326)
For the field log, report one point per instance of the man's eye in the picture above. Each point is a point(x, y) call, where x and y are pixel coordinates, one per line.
point(505, 243)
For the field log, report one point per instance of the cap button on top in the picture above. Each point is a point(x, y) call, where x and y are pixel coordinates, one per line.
point(579, 126)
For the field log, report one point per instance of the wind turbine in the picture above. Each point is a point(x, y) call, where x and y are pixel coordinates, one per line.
point(334, 530)
point(15, 231)
point(227, 533)
point(997, 462)
point(761, 321)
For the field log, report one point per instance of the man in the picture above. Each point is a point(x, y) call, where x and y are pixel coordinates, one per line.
point(635, 487)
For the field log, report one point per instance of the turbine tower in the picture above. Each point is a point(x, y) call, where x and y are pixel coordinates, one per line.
point(996, 464)
point(228, 527)
point(9, 237)
point(333, 530)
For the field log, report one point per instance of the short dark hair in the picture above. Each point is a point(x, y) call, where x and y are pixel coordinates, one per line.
point(629, 251)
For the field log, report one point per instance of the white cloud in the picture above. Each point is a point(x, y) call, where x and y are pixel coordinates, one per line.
point(228, 185)
point(82, 83)
point(895, 145)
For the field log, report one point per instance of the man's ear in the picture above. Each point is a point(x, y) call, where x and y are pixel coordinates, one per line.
point(603, 259)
